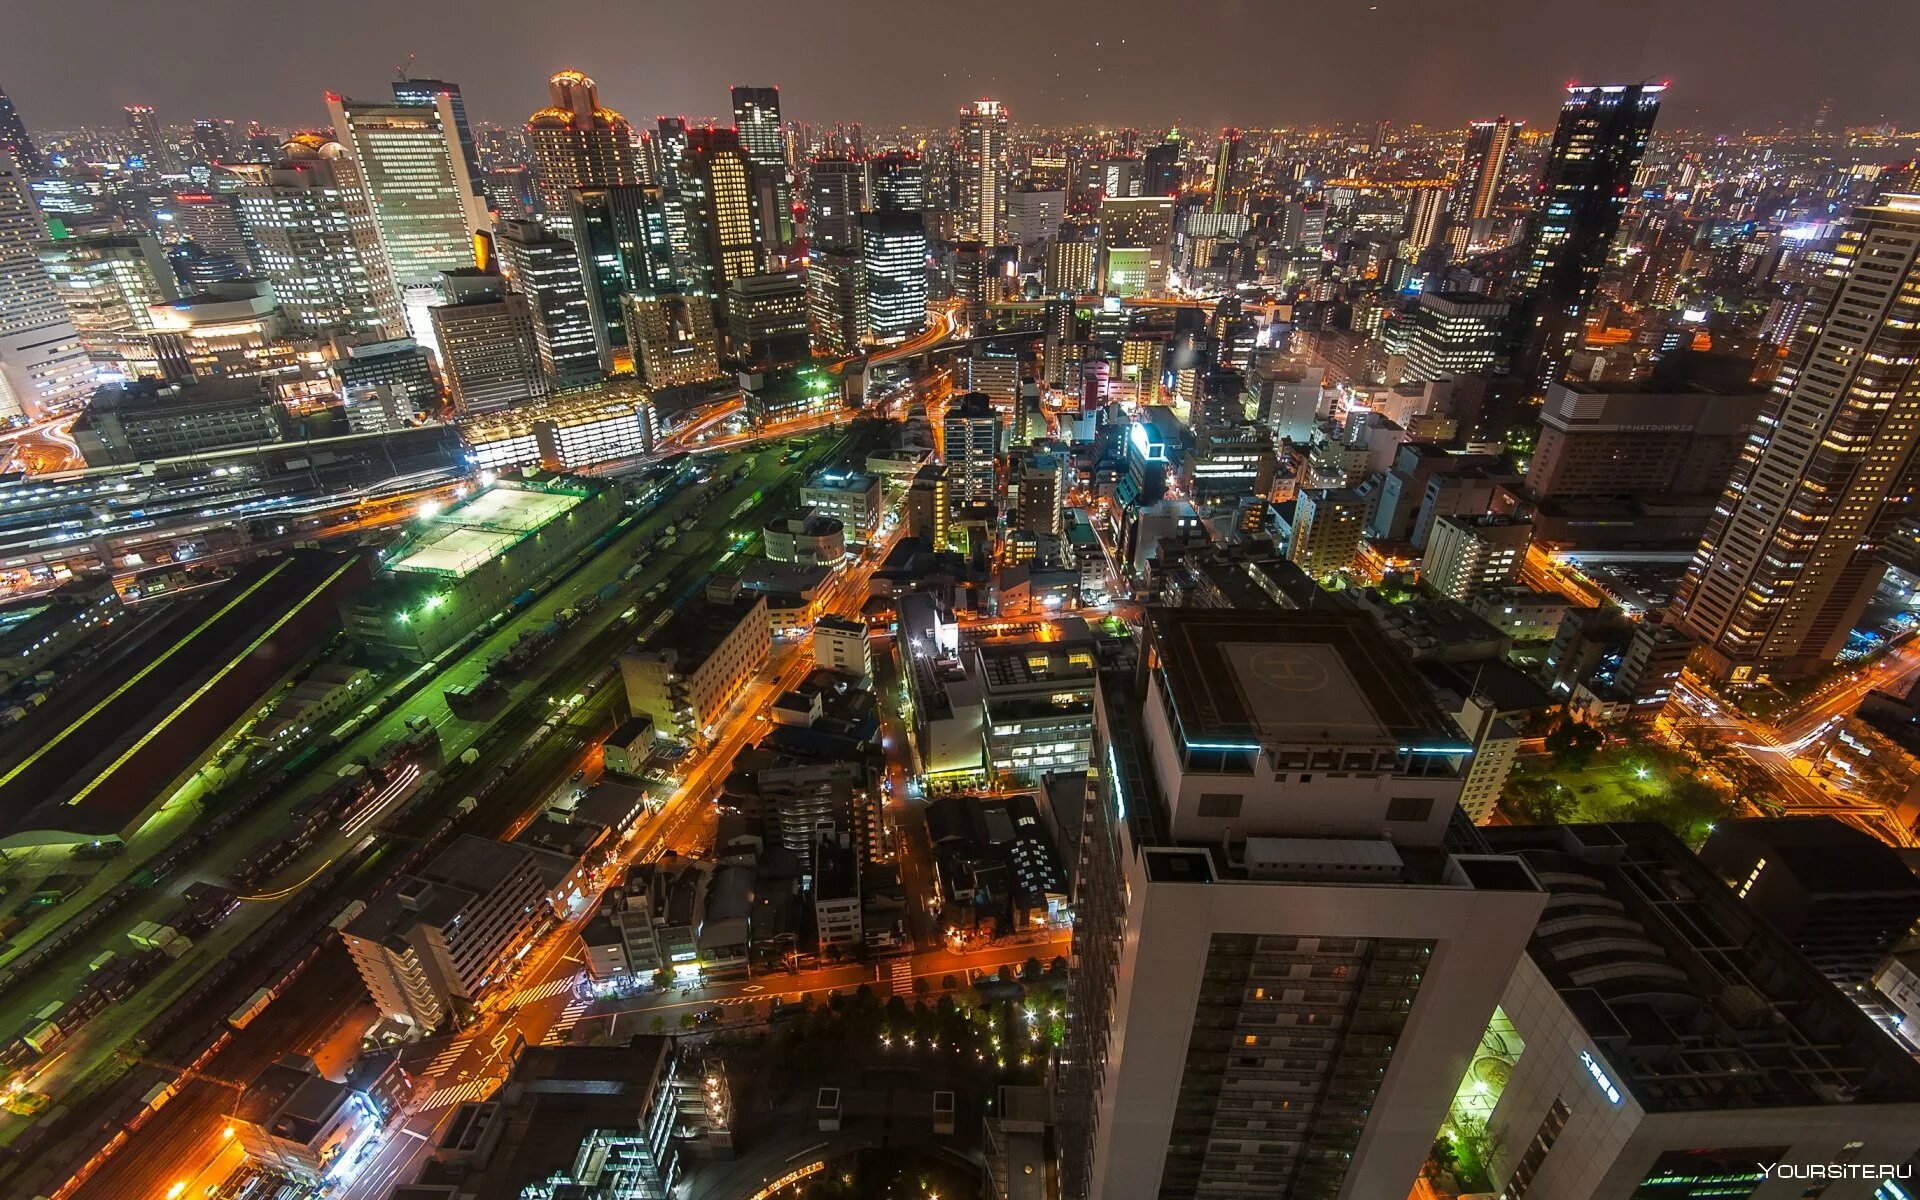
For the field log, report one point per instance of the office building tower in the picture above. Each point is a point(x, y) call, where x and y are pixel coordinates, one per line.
point(1121, 177)
point(575, 143)
point(1683, 1050)
point(210, 142)
point(44, 367)
point(1160, 169)
point(756, 114)
point(836, 301)
point(1455, 333)
point(487, 350)
point(109, 283)
point(1646, 439)
point(897, 180)
point(767, 320)
point(17, 142)
point(1034, 215)
point(984, 170)
point(837, 193)
point(1073, 261)
point(971, 437)
point(1483, 169)
point(1583, 190)
point(723, 210)
point(211, 221)
point(424, 203)
point(893, 256)
point(426, 93)
point(1136, 240)
point(625, 240)
point(148, 141)
point(546, 270)
point(316, 242)
point(1788, 560)
point(1286, 943)
point(1328, 525)
point(1228, 191)
point(672, 338)
point(1468, 554)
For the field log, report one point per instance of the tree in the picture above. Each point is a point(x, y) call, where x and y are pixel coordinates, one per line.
point(1573, 744)
point(662, 979)
point(1030, 970)
point(659, 1025)
point(949, 983)
point(921, 985)
point(1537, 802)
point(1690, 807)
point(688, 1020)
point(1443, 1154)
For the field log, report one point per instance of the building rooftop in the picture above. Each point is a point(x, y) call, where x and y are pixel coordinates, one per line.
point(1293, 677)
point(1698, 1004)
point(482, 527)
point(477, 863)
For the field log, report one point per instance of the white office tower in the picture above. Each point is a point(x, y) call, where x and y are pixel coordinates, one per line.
point(983, 172)
point(43, 366)
point(1285, 949)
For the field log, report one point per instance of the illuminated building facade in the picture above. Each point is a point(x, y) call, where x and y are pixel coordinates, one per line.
point(723, 211)
point(576, 143)
point(1788, 561)
point(893, 253)
point(672, 338)
point(43, 365)
point(984, 171)
point(756, 114)
point(546, 270)
point(424, 203)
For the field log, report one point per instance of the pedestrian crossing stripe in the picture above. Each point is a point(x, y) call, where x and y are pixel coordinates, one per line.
point(472, 1089)
point(450, 1053)
point(544, 991)
point(569, 1017)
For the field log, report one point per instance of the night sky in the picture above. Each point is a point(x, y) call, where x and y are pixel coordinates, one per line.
point(1202, 63)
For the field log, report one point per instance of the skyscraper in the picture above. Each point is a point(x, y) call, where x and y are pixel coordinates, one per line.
point(43, 366)
point(970, 441)
point(1226, 172)
point(836, 300)
point(315, 240)
point(576, 143)
point(756, 114)
point(1160, 168)
point(1483, 168)
point(898, 181)
point(837, 193)
point(672, 338)
point(1788, 560)
point(424, 204)
point(624, 238)
point(983, 171)
point(1136, 239)
point(485, 336)
point(211, 143)
point(723, 217)
point(425, 93)
point(545, 269)
point(893, 255)
point(149, 145)
point(16, 141)
point(1286, 946)
point(1426, 212)
point(1602, 132)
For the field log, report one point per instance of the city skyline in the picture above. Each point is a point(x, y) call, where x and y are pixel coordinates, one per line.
point(1408, 62)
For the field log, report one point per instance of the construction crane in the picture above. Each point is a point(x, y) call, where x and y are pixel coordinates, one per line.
point(183, 1073)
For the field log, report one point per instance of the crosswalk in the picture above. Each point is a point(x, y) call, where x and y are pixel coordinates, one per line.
point(902, 976)
point(569, 1017)
point(459, 1093)
point(543, 991)
point(450, 1054)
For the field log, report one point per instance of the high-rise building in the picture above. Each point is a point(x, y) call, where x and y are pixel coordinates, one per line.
point(1597, 145)
point(1229, 192)
point(1286, 943)
point(1136, 240)
point(836, 301)
point(767, 319)
point(1034, 215)
point(1073, 260)
point(1788, 560)
point(1160, 168)
point(625, 240)
point(1426, 217)
point(1454, 333)
point(212, 222)
point(756, 114)
point(970, 442)
point(487, 349)
point(109, 283)
point(576, 143)
point(43, 366)
point(1466, 554)
point(1327, 528)
point(984, 171)
point(426, 93)
point(1483, 168)
point(898, 179)
point(424, 203)
point(837, 193)
point(545, 269)
point(210, 141)
point(672, 338)
point(723, 210)
point(315, 240)
point(16, 141)
point(148, 141)
point(893, 257)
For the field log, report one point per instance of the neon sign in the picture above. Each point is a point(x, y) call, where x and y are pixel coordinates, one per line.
point(1600, 1076)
